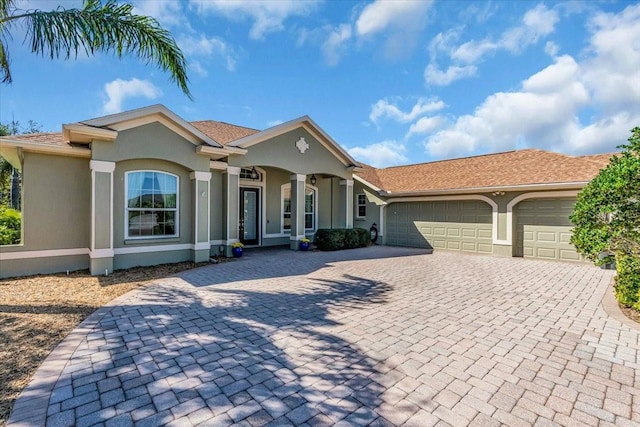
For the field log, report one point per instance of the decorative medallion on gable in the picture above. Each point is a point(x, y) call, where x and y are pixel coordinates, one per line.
point(302, 145)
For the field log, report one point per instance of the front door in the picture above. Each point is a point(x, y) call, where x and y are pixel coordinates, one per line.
point(249, 216)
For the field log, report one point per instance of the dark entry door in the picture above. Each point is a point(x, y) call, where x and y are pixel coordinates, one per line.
point(249, 216)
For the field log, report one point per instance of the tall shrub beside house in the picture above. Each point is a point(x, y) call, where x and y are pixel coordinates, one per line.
point(607, 220)
point(9, 226)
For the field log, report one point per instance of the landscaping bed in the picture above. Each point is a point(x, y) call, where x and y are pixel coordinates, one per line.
point(37, 312)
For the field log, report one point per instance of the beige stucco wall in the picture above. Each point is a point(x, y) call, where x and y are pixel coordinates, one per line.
point(56, 209)
point(56, 203)
point(151, 141)
point(281, 152)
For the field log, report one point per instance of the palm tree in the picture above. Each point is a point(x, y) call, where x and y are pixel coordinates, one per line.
point(97, 27)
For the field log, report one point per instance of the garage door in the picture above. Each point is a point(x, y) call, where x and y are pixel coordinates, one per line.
point(543, 229)
point(453, 225)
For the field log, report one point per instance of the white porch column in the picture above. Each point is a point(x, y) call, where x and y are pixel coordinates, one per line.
point(101, 250)
point(346, 206)
point(201, 225)
point(297, 210)
point(232, 207)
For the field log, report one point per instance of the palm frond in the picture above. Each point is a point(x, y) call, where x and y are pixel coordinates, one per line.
point(109, 28)
point(5, 70)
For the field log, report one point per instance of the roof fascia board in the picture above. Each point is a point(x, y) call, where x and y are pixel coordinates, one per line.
point(78, 132)
point(367, 183)
point(525, 187)
point(133, 118)
point(56, 150)
point(218, 153)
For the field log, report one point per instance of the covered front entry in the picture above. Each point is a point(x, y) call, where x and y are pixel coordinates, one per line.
point(249, 221)
point(460, 225)
point(543, 229)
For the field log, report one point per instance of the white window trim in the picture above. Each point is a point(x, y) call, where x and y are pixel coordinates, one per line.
point(358, 216)
point(126, 207)
point(315, 208)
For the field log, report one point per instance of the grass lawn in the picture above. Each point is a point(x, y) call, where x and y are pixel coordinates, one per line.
point(37, 312)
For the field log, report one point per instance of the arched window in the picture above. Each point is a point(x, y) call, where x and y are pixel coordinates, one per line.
point(151, 204)
point(310, 208)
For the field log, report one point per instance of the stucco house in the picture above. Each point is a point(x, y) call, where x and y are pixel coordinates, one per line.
point(146, 187)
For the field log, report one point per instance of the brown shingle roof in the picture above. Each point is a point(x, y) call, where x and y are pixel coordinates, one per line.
point(601, 159)
point(47, 138)
point(221, 132)
point(370, 174)
point(523, 167)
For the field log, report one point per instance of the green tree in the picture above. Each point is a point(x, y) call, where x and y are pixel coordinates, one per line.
point(9, 176)
point(607, 219)
point(96, 27)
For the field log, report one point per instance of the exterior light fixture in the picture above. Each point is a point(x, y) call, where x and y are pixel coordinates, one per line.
point(254, 173)
point(313, 179)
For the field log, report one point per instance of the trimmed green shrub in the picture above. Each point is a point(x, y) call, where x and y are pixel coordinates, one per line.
point(9, 226)
point(364, 237)
point(334, 239)
point(628, 280)
point(329, 239)
point(351, 240)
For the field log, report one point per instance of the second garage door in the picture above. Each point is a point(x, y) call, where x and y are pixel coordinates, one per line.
point(543, 229)
point(453, 225)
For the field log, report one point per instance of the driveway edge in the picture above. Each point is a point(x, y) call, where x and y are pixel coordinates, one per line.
point(611, 307)
point(30, 407)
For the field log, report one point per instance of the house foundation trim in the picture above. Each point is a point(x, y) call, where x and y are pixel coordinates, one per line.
point(7, 256)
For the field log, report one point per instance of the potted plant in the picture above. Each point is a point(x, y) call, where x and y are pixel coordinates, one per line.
point(236, 249)
point(304, 244)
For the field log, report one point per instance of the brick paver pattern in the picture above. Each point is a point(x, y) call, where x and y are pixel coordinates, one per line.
point(376, 336)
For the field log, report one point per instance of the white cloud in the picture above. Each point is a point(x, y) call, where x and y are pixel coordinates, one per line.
point(425, 125)
point(401, 21)
point(333, 46)
point(384, 109)
point(614, 69)
point(569, 106)
point(167, 12)
point(381, 14)
point(117, 91)
point(381, 154)
point(207, 47)
point(540, 114)
point(435, 76)
point(267, 16)
point(551, 49)
point(536, 24)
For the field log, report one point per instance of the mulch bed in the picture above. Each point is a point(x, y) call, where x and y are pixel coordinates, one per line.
point(630, 313)
point(37, 312)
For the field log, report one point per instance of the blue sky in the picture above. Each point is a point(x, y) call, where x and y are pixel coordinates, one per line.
point(394, 82)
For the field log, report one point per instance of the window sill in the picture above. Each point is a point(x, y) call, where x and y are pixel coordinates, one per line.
point(146, 241)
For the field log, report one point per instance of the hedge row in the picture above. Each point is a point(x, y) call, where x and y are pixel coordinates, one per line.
point(333, 239)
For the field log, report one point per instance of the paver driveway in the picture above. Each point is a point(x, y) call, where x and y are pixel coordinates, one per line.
point(382, 336)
